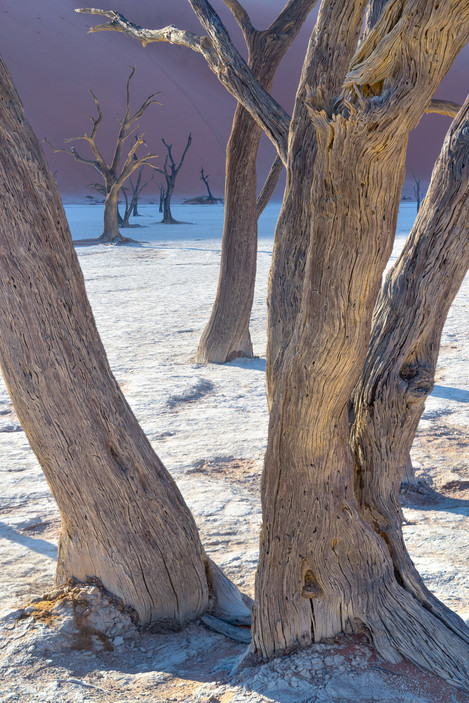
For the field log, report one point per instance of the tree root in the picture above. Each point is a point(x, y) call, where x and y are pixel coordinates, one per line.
point(401, 626)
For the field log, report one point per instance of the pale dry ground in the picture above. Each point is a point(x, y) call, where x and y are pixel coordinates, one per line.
point(209, 426)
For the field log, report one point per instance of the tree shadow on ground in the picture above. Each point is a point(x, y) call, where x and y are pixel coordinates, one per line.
point(449, 393)
point(34, 543)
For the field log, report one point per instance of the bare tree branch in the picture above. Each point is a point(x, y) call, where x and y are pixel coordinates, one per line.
point(269, 185)
point(73, 152)
point(128, 121)
point(223, 59)
point(119, 23)
point(293, 15)
point(242, 18)
point(443, 107)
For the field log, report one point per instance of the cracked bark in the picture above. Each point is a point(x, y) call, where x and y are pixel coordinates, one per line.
point(322, 568)
point(399, 370)
point(123, 519)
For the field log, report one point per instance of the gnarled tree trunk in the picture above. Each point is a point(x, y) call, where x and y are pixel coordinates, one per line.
point(124, 520)
point(399, 371)
point(323, 569)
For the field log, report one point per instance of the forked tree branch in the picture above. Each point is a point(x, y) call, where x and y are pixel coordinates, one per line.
point(113, 175)
point(169, 34)
point(223, 59)
point(393, 47)
point(128, 121)
point(73, 152)
point(170, 175)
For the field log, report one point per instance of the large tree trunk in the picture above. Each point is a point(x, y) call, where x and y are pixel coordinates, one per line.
point(400, 366)
point(226, 335)
point(322, 568)
point(123, 519)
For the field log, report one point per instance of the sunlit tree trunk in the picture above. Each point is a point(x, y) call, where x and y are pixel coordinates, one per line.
point(323, 569)
point(123, 519)
point(399, 371)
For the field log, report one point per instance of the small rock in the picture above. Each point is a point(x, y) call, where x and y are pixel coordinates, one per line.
point(118, 641)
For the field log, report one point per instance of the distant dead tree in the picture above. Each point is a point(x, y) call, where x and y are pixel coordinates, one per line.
point(417, 193)
point(205, 178)
point(170, 172)
point(114, 176)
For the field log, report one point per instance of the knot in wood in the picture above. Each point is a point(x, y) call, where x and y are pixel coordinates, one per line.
point(311, 588)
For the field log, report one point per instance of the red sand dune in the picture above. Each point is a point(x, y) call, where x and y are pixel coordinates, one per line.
point(54, 62)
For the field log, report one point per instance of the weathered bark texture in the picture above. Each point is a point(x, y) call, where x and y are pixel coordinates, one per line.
point(124, 520)
point(226, 334)
point(322, 568)
point(399, 371)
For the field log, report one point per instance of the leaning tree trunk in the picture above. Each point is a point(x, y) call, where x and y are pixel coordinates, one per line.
point(323, 569)
point(123, 519)
point(226, 335)
point(399, 371)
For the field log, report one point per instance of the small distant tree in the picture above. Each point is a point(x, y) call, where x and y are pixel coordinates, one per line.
point(417, 194)
point(113, 174)
point(170, 172)
point(205, 178)
point(131, 205)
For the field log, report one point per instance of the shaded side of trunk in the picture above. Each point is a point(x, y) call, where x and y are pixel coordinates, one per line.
point(399, 371)
point(124, 520)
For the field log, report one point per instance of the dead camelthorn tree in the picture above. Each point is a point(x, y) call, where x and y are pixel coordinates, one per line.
point(124, 520)
point(170, 172)
point(114, 174)
point(418, 198)
point(323, 567)
point(204, 177)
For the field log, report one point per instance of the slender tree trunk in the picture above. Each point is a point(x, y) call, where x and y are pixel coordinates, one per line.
point(226, 335)
point(399, 371)
point(123, 519)
point(168, 218)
